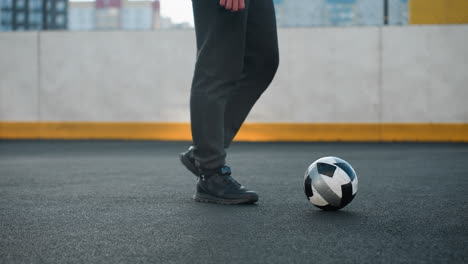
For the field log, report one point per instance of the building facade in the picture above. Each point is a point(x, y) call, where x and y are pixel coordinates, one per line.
point(137, 15)
point(305, 13)
point(81, 16)
point(33, 15)
point(145, 14)
point(115, 15)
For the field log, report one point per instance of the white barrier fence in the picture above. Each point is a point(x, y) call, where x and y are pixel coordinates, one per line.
point(415, 74)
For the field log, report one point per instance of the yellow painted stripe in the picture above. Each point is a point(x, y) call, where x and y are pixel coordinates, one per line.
point(95, 130)
point(249, 132)
point(438, 11)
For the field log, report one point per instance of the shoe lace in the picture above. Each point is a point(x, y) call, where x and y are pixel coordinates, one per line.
point(229, 181)
point(227, 178)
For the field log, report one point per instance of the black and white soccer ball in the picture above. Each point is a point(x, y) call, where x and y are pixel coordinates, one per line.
point(330, 183)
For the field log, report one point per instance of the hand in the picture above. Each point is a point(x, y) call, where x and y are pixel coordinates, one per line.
point(233, 5)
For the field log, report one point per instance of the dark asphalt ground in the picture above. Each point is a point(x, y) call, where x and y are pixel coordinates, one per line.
point(131, 202)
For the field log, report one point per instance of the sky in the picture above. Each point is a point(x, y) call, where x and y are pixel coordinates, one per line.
point(178, 10)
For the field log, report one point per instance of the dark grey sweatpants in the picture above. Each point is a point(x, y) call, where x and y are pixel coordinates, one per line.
point(237, 59)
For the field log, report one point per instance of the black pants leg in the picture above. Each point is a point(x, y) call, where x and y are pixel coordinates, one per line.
point(236, 60)
point(261, 61)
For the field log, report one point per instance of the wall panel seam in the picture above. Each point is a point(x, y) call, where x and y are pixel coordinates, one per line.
point(380, 83)
point(39, 76)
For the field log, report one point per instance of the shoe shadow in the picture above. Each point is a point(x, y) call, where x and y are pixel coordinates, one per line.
point(225, 206)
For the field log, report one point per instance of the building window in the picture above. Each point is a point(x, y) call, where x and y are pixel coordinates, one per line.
point(60, 20)
point(35, 4)
point(35, 18)
point(6, 17)
point(20, 18)
point(50, 5)
point(7, 4)
point(20, 3)
point(60, 6)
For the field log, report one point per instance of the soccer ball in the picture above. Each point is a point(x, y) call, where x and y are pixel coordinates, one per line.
point(330, 183)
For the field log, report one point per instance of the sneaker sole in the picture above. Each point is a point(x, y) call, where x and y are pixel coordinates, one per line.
point(189, 165)
point(205, 198)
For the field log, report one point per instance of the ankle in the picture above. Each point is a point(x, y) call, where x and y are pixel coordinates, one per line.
point(222, 170)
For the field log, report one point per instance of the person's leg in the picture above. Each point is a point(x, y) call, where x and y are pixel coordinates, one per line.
point(220, 57)
point(260, 64)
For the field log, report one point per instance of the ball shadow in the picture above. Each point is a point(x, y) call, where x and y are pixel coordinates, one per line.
point(338, 216)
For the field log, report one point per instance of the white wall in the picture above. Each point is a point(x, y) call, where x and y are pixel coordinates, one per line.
point(325, 75)
point(352, 74)
point(116, 76)
point(19, 76)
point(425, 74)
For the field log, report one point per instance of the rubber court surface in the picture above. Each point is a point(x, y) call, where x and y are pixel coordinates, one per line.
point(130, 202)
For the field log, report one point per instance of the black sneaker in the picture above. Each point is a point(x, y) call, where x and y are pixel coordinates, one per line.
point(188, 161)
point(217, 186)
